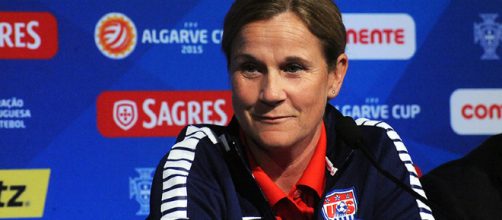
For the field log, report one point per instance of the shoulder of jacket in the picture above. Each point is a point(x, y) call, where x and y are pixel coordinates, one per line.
point(189, 140)
point(376, 132)
point(194, 137)
point(200, 131)
point(383, 129)
point(177, 165)
point(372, 123)
point(380, 127)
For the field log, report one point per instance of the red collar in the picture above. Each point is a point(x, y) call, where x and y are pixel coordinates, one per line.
point(312, 177)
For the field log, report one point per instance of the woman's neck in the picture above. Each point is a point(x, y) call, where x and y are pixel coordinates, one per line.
point(285, 166)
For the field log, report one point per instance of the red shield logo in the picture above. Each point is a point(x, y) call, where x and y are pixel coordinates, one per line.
point(340, 204)
point(125, 114)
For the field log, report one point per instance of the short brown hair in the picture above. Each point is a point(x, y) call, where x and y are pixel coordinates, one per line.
point(322, 17)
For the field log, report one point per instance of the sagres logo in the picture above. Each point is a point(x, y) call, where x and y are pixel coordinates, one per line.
point(28, 35)
point(125, 114)
point(476, 111)
point(23, 192)
point(115, 35)
point(159, 113)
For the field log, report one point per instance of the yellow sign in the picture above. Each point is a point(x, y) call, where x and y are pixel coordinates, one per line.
point(23, 192)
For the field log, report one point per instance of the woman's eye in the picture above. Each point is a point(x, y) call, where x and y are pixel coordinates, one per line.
point(293, 68)
point(249, 69)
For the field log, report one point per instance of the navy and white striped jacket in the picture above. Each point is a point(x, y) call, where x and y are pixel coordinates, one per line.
point(206, 176)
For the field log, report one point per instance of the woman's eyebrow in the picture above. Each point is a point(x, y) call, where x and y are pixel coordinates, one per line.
point(297, 59)
point(289, 59)
point(244, 57)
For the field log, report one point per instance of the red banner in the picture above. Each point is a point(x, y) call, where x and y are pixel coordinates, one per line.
point(28, 35)
point(159, 113)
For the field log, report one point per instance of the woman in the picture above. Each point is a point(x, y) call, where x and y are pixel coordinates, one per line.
point(280, 156)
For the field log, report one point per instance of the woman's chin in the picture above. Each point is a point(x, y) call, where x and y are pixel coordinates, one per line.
point(275, 141)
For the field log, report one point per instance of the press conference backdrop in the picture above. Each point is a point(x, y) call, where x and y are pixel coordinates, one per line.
point(93, 93)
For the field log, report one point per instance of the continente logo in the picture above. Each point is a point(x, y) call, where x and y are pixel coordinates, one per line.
point(115, 35)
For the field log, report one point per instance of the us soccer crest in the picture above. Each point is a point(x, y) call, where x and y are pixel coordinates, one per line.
point(340, 204)
point(125, 114)
point(139, 188)
point(488, 34)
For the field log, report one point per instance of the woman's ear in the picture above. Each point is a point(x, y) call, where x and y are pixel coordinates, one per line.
point(336, 75)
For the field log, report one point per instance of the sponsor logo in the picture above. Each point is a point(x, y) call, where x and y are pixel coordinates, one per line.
point(125, 114)
point(159, 113)
point(13, 113)
point(115, 35)
point(28, 35)
point(23, 192)
point(488, 34)
point(139, 189)
point(373, 110)
point(392, 36)
point(387, 37)
point(476, 111)
point(191, 38)
point(340, 204)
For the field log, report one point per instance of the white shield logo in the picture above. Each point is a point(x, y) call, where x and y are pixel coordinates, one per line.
point(125, 114)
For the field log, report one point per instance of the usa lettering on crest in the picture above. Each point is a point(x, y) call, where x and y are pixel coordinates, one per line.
point(340, 204)
point(125, 114)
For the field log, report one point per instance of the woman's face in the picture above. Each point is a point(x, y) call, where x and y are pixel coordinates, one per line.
point(281, 81)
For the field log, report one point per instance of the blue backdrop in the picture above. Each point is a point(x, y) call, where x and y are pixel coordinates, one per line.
point(49, 104)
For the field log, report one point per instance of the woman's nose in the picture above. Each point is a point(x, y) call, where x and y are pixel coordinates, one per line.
point(272, 89)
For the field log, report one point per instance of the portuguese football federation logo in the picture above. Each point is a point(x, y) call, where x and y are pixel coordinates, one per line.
point(115, 35)
point(139, 188)
point(488, 34)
